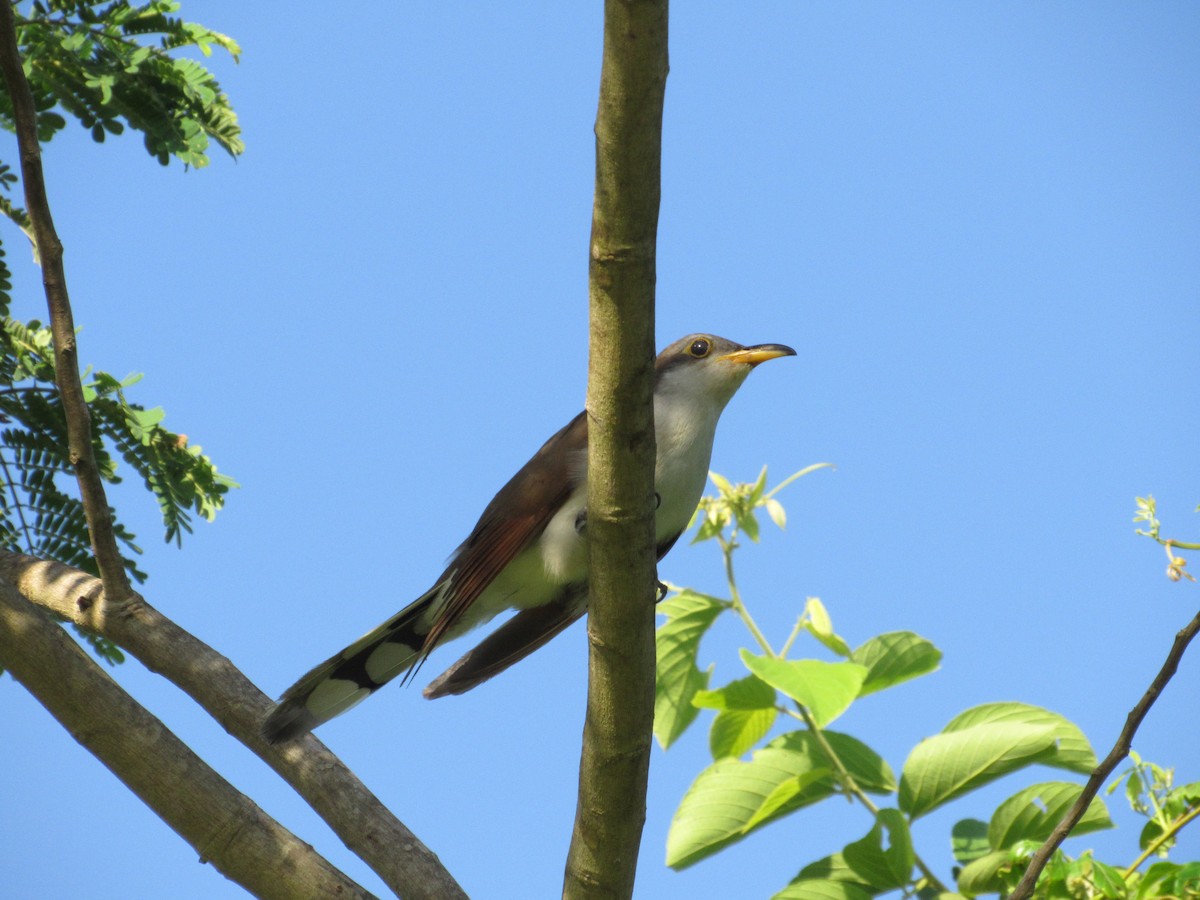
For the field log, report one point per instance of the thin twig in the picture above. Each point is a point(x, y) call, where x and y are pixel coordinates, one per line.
point(1119, 751)
point(62, 323)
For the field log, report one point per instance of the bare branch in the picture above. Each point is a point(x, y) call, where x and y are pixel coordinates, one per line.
point(62, 324)
point(223, 825)
point(1119, 751)
point(621, 568)
point(363, 823)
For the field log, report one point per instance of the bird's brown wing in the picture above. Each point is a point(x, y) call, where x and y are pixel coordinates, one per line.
point(514, 519)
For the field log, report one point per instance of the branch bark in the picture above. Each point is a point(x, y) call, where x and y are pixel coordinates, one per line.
point(615, 759)
point(62, 323)
point(223, 825)
point(1120, 750)
point(362, 822)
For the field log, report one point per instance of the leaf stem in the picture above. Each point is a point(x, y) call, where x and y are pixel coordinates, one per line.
point(796, 475)
point(1168, 834)
point(727, 548)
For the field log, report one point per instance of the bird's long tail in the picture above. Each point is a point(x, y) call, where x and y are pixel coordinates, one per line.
point(354, 674)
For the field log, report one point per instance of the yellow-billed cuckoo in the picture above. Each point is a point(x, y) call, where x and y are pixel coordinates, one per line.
point(528, 551)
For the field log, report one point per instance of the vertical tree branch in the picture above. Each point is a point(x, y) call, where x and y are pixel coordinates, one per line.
point(1120, 750)
point(223, 825)
point(62, 324)
point(621, 568)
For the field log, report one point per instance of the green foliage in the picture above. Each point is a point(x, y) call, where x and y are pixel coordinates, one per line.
point(39, 512)
point(1147, 512)
point(757, 779)
point(114, 64)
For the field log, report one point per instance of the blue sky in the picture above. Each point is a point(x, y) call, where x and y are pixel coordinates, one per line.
point(977, 224)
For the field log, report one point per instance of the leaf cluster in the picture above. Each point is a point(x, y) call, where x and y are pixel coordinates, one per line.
point(113, 65)
point(40, 510)
point(758, 777)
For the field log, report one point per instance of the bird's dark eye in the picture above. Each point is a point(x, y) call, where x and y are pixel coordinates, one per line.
point(699, 349)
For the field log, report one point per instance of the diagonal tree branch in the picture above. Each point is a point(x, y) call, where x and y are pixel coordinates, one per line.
point(615, 759)
point(62, 323)
point(223, 825)
point(364, 824)
point(1119, 751)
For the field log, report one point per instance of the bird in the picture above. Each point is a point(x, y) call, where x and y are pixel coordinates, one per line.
point(528, 551)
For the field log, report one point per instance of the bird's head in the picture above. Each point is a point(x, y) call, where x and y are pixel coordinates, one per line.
point(704, 367)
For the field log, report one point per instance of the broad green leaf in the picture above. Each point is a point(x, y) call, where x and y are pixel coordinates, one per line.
point(895, 657)
point(677, 679)
point(883, 867)
point(747, 712)
point(1165, 879)
point(1106, 879)
point(1031, 814)
point(1159, 881)
point(826, 689)
point(949, 765)
point(968, 840)
point(985, 874)
point(868, 769)
point(750, 692)
point(829, 868)
point(818, 623)
point(727, 795)
point(823, 890)
point(734, 731)
point(1072, 751)
point(783, 794)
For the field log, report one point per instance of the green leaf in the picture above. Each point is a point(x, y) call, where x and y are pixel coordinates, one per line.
point(1072, 751)
point(777, 513)
point(747, 712)
point(1167, 879)
point(951, 764)
point(823, 890)
point(895, 657)
point(734, 731)
point(677, 678)
point(825, 689)
point(1106, 879)
point(750, 692)
point(985, 874)
point(727, 795)
point(881, 867)
point(783, 794)
point(817, 622)
point(723, 484)
point(1031, 814)
point(830, 868)
point(969, 840)
point(748, 523)
point(1159, 881)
